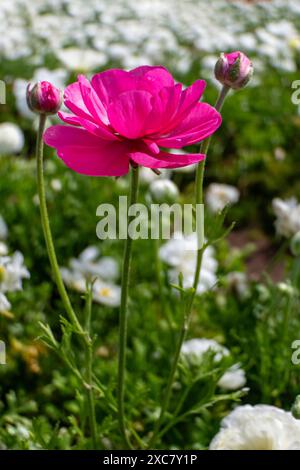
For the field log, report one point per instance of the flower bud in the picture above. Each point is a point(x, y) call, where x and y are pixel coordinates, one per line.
point(234, 70)
point(296, 408)
point(163, 190)
point(44, 98)
point(295, 244)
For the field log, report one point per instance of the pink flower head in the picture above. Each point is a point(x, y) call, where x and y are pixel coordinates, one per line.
point(234, 70)
point(44, 98)
point(121, 117)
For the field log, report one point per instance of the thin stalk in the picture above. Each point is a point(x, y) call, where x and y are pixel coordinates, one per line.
point(160, 284)
point(171, 378)
point(124, 312)
point(89, 372)
point(187, 316)
point(57, 275)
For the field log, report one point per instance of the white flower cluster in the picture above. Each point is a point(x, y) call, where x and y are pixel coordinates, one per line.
point(287, 216)
point(86, 36)
point(194, 349)
point(180, 253)
point(12, 270)
point(259, 427)
point(102, 271)
point(219, 196)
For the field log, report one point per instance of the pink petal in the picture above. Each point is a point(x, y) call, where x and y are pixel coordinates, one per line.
point(188, 99)
point(164, 159)
point(100, 131)
point(200, 123)
point(73, 100)
point(190, 96)
point(69, 118)
point(87, 154)
point(152, 79)
point(164, 105)
point(154, 148)
point(111, 83)
point(129, 112)
point(92, 101)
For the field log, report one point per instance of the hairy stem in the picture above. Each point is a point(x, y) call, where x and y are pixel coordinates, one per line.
point(47, 230)
point(187, 316)
point(89, 371)
point(85, 336)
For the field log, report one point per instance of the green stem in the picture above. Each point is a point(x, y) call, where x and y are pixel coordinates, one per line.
point(199, 199)
point(47, 230)
point(159, 279)
point(89, 371)
point(124, 312)
point(187, 316)
point(204, 149)
point(171, 378)
point(57, 275)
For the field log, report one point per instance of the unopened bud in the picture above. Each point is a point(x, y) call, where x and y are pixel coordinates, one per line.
point(234, 70)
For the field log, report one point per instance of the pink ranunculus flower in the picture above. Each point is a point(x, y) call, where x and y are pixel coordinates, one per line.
point(120, 117)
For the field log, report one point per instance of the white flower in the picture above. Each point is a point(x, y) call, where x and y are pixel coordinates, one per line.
point(12, 271)
point(106, 294)
point(3, 229)
point(233, 379)
point(287, 288)
point(57, 77)
point(238, 281)
point(5, 306)
point(287, 216)
point(56, 185)
point(81, 59)
point(279, 154)
point(163, 190)
point(147, 175)
point(90, 265)
point(220, 195)
point(19, 89)
point(180, 253)
point(194, 349)
point(260, 427)
point(74, 280)
point(11, 138)
point(3, 249)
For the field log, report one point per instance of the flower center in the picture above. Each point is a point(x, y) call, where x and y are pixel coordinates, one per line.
point(2, 273)
point(105, 292)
